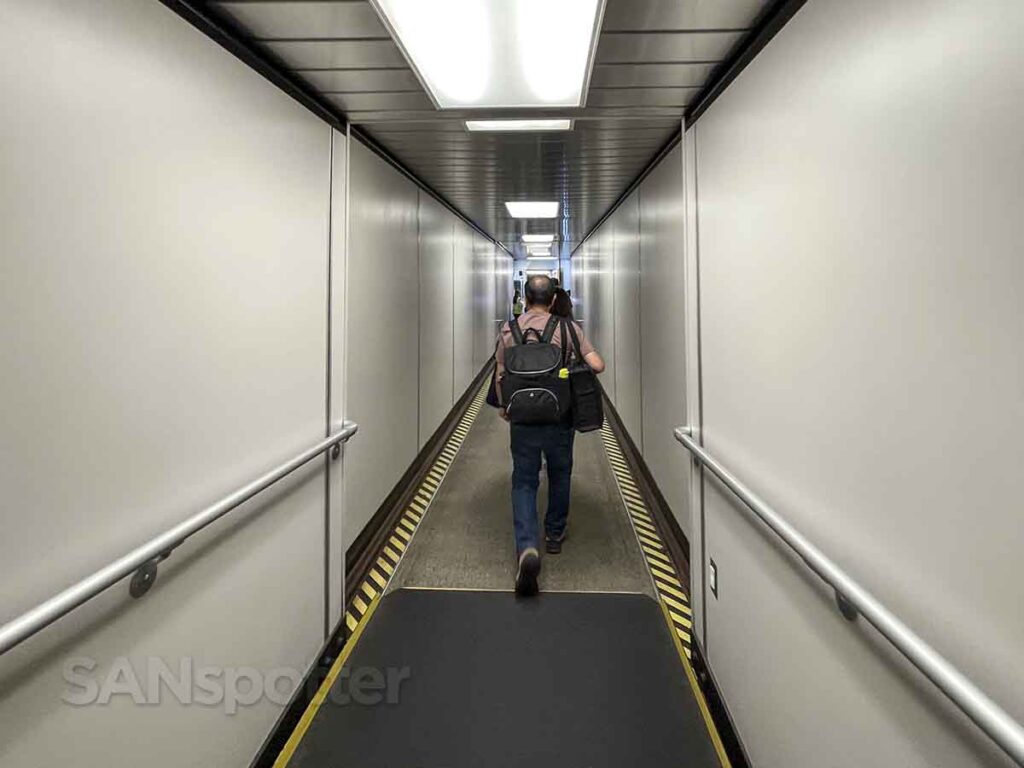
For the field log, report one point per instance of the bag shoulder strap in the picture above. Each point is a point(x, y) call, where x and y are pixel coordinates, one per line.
point(575, 340)
point(549, 329)
point(516, 331)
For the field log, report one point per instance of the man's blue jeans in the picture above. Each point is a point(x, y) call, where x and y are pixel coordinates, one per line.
point(529, 441)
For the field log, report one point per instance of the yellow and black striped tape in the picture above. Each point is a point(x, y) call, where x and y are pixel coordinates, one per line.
point(659, 562)
point(394, 546)
point(368, 596)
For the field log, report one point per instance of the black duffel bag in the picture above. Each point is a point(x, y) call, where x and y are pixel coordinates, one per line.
point(587, 400)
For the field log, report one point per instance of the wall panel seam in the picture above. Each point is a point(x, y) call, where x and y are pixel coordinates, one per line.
point(345, 339)
point(700, 396)
point(327, 408)
point(419, 318)
point(455, 313)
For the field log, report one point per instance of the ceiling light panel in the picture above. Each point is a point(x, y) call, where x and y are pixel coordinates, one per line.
point(497, 53)
point(538, 238)
point(514, 126)
point(532, 210)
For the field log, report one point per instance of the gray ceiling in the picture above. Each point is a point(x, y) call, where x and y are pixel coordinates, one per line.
point(653, 58)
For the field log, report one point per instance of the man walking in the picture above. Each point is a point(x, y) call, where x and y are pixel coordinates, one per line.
point(531, 441)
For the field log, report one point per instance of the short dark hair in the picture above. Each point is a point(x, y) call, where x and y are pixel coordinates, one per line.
point(540, 290)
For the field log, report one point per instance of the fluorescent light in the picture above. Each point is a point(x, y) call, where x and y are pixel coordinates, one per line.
point(538, 238)
point(559, 38)
point(541, 258)
point(497, 53)
point(553, 124)
point(532, 210)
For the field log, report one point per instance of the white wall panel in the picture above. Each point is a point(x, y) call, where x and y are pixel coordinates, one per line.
point(163, 285)
point(565, 270)
point(481, 282)
point(625, 228)
point(501, 292)
point(691, 313)
point(502, 288)
point(485, 330)
point(663, 375)
point(600, 287)
point(579, 281)
point(339, 238)
point(382, 335)
point(436, 319)
point(585, 281)
point(860, 206)
point(464, 299)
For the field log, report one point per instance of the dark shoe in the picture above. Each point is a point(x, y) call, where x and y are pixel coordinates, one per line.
point(526, 576)
point(554, 546)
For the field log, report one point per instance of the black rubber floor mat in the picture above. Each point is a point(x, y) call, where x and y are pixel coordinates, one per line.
point(443, 679)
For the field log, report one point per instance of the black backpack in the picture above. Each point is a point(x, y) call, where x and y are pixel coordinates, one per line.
point(535, 388)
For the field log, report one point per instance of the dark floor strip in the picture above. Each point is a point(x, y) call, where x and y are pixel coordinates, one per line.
point(482, 678)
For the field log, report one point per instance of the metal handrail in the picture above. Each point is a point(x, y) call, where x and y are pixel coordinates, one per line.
point(142, 561)
point(854, 599)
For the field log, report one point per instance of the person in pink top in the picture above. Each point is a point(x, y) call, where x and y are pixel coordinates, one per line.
point(529, 442)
